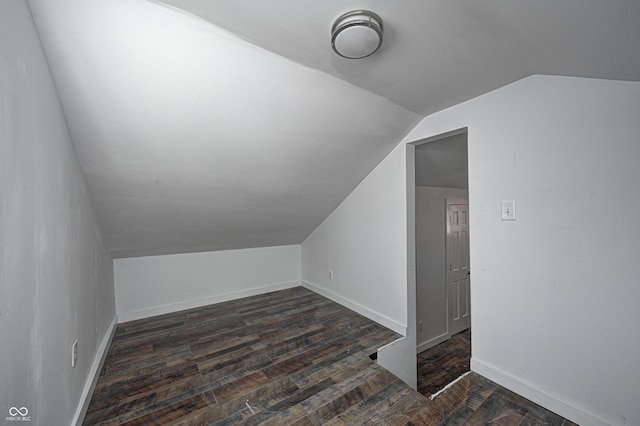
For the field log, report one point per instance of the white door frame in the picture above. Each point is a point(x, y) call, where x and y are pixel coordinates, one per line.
point(411, 228)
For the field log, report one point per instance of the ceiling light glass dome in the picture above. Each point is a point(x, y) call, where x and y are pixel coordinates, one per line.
point(356, 34)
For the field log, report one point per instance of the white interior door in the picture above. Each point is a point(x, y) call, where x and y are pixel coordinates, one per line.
point(458, 273)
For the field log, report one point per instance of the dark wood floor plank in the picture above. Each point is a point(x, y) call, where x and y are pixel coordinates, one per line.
point(376, 391)
point(140, 401)
point(333, 368)
point(167, 414)
point(245, 357)
point(442, 364)
point(288, 357)
point(345, 381)
point(261, 400)
point(141, 382)
point(399, 408)
point(137, 361)
point(538, 416)
point(240, 386)
point(276, 397)
point(457, 417)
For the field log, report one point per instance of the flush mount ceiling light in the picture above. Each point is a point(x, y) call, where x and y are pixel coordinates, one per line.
point(357, 34)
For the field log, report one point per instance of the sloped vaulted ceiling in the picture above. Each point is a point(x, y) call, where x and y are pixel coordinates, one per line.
point(192, 139)
point(221, 124)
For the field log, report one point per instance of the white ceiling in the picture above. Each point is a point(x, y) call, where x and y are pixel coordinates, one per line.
point(443, 163)
point(221, 124)
point(438, 53)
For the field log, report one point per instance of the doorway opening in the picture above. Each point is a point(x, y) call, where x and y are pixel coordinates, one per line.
point(442, 274)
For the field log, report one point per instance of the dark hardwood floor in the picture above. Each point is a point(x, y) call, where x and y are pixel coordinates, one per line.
point(483, 401)
point(289, 357)
point(443, 363)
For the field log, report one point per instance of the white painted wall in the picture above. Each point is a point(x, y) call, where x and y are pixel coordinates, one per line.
point(555, 293)
point(431, 273)
point(364, 242)
point(56, 278)
point(354, 242)
point(155, 285)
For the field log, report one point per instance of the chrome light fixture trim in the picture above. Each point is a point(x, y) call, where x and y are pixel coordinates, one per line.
point(357, 34)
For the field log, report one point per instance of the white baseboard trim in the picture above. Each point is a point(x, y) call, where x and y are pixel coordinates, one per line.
point(354, 306)
point(432, 342)
point(94, 374)
point(203, 301)
point(553, 403)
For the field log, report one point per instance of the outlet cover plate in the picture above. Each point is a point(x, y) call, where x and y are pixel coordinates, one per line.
point(508, 210)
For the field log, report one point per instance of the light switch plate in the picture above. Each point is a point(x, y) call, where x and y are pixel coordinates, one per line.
point(508, 210)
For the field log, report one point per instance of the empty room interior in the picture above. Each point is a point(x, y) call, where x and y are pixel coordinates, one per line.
point(303, 212)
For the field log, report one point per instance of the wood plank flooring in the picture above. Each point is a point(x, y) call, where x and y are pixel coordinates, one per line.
point(478, 401)
point(483, 402)
point(442, 364)
point(289, 357)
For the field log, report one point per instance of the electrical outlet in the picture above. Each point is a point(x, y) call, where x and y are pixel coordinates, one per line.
point(330, 274)
point(420, 326)
point(508, 210)
point(74, 353)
